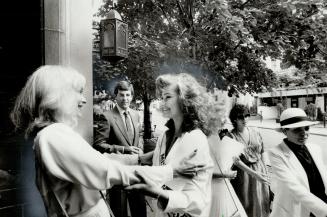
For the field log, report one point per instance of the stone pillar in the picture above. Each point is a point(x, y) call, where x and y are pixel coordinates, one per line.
point(68, 41)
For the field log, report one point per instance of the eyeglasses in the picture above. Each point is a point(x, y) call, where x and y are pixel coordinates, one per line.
point(242, 117)
point(299, 129)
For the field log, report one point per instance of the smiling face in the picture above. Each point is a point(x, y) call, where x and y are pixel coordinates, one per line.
point(124, 98)
point(70, 106)
point(80, 101)
point(170, 106)
point(74, 102)
point(298, 135)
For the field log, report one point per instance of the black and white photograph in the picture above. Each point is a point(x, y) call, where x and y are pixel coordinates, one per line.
point(163, 108)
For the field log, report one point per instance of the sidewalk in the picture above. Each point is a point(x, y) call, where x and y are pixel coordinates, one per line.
point(271, 124)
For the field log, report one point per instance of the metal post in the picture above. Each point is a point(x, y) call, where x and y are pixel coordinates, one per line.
point(261, 117)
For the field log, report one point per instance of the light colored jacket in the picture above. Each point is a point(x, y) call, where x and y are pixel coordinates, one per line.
point(69, 166)
point(291, 187)
point(188, 195)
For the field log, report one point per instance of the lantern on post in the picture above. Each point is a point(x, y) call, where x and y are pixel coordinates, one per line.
point(113, 37)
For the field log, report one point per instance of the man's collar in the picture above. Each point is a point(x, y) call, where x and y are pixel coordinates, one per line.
point(293, 146)
point(121, 111)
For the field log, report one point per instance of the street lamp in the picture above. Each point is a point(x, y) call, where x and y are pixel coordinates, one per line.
point(113, 37)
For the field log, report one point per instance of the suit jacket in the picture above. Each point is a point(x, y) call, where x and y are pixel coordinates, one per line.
point(111, 129)
point(290, 183)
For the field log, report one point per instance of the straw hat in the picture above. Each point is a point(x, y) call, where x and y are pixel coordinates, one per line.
point(294, 118)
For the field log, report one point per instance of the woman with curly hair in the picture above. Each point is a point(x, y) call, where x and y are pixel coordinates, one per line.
point(251, 183)
point(192, 117)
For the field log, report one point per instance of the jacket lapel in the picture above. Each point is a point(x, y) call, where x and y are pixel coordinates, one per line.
point(162, 148)
point(316, 156)
point(295, 164)
point(135, 123)
point(163, 159)
point(120, 124)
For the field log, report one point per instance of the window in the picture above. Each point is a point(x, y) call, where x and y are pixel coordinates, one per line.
point(294, 102)
point(311, 99)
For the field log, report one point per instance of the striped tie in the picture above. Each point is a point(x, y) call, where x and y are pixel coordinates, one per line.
point(129, 128)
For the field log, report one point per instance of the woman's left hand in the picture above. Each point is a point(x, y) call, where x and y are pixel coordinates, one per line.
point(147, 186)
point(146, 159)
point(187, 169)
point(262, 177)
point(231, 174)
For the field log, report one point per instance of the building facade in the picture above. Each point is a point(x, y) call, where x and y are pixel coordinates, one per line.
point(295, 97)
point(37, 33)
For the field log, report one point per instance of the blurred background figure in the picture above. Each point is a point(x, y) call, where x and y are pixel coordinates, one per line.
point(224, 199)
point(251, 183)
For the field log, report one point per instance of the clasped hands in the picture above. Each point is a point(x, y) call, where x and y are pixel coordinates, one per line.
point(183, 168)
point(126, 149)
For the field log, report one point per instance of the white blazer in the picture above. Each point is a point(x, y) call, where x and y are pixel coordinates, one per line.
point(188, 195)
point(291, 187)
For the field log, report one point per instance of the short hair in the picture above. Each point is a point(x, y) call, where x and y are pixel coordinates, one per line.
point(198, 107)
point(42, 99)
point(124, 86)
point(237, 109)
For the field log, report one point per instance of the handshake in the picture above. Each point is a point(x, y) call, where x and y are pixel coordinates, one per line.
point(118, 149)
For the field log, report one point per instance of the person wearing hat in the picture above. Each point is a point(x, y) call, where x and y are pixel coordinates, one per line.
point(299, 174)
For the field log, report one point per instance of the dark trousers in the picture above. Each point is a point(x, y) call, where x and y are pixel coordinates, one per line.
point(118, 202)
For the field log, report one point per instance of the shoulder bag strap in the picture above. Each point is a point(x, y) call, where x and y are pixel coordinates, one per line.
point(64, 213)
point(110, 210)
point(47, 182)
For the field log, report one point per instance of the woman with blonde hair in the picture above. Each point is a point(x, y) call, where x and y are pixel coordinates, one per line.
point(69, 171)
point(192, 117)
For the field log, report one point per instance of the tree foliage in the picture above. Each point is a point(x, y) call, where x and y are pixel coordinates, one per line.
point(227, 40)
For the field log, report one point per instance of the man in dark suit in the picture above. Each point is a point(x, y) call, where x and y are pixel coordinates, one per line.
point(118, 132)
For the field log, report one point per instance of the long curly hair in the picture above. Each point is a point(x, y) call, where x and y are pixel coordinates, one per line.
point(199, 108)
point(43, 100)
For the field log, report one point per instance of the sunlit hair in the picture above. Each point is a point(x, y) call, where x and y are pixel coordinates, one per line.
point(238, 109)
point(199, 108)
point(124, 85)
point(44, 98)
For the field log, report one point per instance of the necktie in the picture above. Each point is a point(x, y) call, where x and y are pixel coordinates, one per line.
point(129, 128)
